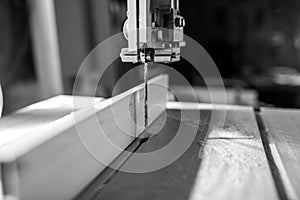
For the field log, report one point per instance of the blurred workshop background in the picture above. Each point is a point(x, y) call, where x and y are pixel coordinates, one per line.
point(255, 44)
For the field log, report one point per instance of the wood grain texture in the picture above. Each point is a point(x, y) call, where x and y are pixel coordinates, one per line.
point(229, 164)
point(283, 128)
point(234, 164)
point(57, 160)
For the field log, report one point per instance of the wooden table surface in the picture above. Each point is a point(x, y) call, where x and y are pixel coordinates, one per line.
point(253, 155)
point(283, 131)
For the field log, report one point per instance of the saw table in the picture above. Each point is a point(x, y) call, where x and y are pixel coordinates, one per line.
point(255, 154)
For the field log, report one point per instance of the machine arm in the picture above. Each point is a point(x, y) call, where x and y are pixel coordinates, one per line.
point(154, 30)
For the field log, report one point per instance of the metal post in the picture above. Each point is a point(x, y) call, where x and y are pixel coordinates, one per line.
point(46, 47)
point(1, 101)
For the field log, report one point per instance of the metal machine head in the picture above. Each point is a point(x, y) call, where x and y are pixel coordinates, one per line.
point(154, 30)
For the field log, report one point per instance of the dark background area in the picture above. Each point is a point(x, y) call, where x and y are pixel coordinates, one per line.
point(255, 44)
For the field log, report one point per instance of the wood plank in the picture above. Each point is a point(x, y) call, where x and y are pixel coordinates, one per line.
point(229, 164)
point(233, 95)
point(283, 128)
point(35, 116)
point(235, 165)
point(55, 161)
point(32, 118)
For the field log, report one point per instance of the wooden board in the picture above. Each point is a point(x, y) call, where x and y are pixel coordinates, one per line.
point(236, 166)
point(32, 118)
point(36, 116)
point(57, 160)
point(234, 96)
point(283, 128)
point(229, 164)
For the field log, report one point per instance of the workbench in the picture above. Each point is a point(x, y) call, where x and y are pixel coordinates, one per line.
point(254, 154)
